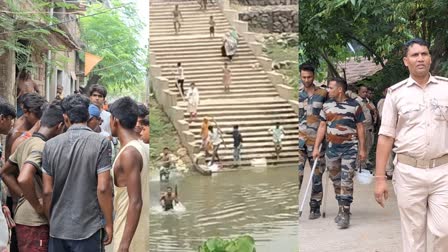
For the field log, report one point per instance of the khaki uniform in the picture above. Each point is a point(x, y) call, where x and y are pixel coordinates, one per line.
point(418, 120)
point(390, 163)
point(368, 124)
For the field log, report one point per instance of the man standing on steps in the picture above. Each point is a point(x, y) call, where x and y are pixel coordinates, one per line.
point(366, 106)
point(277, 135)
point(193, 101)
point(237, 145)
point(415, 123)
point(311, 100)
point(177, 15)
point(180, 78)
point(341, 120)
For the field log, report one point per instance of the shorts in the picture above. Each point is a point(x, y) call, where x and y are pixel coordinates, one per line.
point(212, 29)
point(32, 238)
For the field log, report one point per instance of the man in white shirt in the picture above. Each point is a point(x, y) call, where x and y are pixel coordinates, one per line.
point(216, 140)
point(277, 135)
point(193, 101)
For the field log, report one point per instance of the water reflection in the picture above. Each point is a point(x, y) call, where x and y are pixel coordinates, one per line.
point(260, 203)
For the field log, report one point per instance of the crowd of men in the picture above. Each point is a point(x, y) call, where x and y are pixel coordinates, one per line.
point(336, 128)
point(76, 174)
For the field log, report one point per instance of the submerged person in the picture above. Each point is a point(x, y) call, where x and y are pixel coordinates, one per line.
point(167, 199)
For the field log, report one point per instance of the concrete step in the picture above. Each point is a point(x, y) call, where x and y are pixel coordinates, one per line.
point(212, 69)
point(205, 65)
point(238, 102)
point(190, 42)
point(250, 142)
point(253, 102)
point(256, 117)
point(246, 128)
point(217, 74)
point(241, 112)
point(253, 152)
point(199, 52)
point(160, 12)
point(216, 59)
point(240, 95)
point(187, 31)
point(243, 108)
point(219, 87)
point(233, 90)
point(265, 124)
point(267, 155)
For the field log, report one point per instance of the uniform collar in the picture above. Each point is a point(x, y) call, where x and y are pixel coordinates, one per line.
point(411, 81)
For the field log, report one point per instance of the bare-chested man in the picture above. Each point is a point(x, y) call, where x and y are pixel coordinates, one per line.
point(26, 85)
point(131, 180)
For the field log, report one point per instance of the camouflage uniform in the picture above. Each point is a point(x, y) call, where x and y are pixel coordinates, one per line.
point(342, 148)
point(368, 109)
point(309, 109)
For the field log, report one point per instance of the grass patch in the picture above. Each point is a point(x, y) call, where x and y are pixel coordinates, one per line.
point(279, 53)
point(163, 133)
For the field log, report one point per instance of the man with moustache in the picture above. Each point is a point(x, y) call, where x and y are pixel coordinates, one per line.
point(311, 100)
point(415, 122)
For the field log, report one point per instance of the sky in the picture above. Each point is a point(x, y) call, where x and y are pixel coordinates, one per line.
point(143, 12)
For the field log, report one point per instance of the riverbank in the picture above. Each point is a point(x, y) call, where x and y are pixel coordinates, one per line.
point(282, 49)
point(163, 134)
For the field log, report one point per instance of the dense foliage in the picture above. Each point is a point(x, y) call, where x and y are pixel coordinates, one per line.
point(377, 28)
point(113, 35)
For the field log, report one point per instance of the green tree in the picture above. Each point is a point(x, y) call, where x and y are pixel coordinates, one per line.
point(379, 27)
point(25, 30)
point(113, 35)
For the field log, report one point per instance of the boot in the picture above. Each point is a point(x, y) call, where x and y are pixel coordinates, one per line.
point(315, 209)
point(344, 221)
point(338, 217)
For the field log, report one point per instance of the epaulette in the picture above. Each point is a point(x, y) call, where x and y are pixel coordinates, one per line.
point(441, 78)
point(396, 86)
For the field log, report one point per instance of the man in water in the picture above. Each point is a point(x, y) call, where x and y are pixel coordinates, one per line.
point(167, 199)
point(167, 164)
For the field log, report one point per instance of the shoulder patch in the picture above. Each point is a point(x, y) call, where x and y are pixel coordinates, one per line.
point(440, 78)
point(397, 86)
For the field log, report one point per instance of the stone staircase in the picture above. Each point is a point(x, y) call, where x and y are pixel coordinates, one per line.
point(254, 102)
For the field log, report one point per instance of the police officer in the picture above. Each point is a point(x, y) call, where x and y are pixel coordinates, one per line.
point(415, 122)
point(342, 121)
point(311, 99)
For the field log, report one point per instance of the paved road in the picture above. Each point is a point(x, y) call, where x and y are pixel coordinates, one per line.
point(373, 229)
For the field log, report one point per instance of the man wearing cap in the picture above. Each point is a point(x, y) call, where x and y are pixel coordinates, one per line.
point(415, 123)
point(94, 121)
